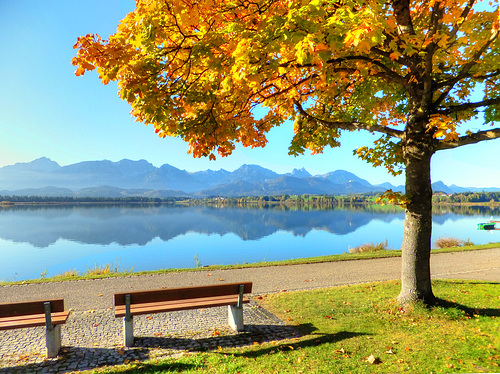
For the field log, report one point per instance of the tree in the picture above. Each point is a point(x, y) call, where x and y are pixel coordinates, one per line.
point(412, 72)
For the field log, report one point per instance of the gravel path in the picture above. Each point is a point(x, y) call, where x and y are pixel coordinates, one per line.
point(92, 336)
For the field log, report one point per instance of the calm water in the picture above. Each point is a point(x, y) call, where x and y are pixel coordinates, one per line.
point(60, 238)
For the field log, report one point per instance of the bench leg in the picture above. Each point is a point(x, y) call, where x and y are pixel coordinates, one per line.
point(235, 317)
point(128, 332)
point(53, 341)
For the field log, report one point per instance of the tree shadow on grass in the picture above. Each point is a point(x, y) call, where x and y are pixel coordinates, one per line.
point(220, 339)
point(158, 367)
point(468, 311)
point(313, 341)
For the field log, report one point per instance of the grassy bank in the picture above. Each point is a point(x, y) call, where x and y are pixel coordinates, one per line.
point(360, 329)
point(110, 270)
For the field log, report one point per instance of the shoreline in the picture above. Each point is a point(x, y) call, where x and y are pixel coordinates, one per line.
point(382, 254)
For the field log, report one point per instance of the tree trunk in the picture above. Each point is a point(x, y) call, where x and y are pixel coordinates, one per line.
point(416, 247)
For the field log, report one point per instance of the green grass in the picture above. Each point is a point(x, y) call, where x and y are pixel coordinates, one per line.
point(73, 275)
point(343, 326)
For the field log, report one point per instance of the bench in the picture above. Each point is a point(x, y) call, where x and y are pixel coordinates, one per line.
point(129, 304)
point(48, 313)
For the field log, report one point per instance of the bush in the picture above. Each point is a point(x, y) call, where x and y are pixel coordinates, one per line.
point(451, 242)
point(370, 247)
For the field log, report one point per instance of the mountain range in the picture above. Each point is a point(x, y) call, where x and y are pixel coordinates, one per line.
point(44, 177)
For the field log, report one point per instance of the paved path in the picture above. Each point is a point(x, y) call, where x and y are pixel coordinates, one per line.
point(98, 294)
point(92, 335)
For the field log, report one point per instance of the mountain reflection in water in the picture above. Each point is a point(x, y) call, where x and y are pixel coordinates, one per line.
point(124, 226)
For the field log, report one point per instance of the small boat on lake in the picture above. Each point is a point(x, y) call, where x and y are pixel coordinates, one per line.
point(488, 225)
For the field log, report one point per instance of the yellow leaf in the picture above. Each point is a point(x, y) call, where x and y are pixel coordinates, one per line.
point(353, 37)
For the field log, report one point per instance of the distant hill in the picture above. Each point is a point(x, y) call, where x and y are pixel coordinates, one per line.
point(125, 178)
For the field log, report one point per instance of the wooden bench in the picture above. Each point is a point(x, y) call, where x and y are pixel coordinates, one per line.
point(129, 304)
point(48, 313)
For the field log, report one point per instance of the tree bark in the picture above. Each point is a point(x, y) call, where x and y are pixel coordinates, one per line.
point(416, 246)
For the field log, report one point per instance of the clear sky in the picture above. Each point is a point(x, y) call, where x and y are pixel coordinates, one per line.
point(45, 110)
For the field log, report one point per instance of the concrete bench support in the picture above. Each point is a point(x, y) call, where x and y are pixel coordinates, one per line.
point(52, 333)
point(128, 332)
point(53, 341)
point(235, 317)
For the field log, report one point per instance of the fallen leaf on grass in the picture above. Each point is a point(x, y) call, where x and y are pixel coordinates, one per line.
point(216, 333)
point(373, 360)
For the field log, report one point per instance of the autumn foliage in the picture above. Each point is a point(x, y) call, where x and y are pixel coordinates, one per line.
point(199, 69)
point(418, 73)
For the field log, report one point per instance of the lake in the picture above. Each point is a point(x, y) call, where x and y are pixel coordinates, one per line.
point(55, 239)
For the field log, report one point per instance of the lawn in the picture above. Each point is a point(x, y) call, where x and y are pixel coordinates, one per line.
point(360, 329)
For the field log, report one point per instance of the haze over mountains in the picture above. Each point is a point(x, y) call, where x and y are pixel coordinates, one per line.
point(44, 177)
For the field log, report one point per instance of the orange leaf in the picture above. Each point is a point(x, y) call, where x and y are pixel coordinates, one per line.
point(79, 71)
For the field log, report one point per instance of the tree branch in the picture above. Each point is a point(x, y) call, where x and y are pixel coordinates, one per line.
point(469, 139)
point(466, 106)
point(464, 72)
point(387, 73)
point(350, 126)
point(464, 15)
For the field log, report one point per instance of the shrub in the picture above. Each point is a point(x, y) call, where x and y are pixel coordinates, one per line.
point(370, 247)
point(451, 242)
point(108, 269)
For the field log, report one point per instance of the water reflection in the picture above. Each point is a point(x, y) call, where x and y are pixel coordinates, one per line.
point(42, 226)
point(65, 237)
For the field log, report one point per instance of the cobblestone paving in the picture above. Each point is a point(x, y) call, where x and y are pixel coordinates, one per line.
point(93, 338)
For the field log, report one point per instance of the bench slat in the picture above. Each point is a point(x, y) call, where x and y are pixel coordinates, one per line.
point(30, 307)
point(168, 294)
point(33, 320)
point(175, 305)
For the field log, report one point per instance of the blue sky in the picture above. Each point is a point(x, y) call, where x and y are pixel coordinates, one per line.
point(45, 110)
